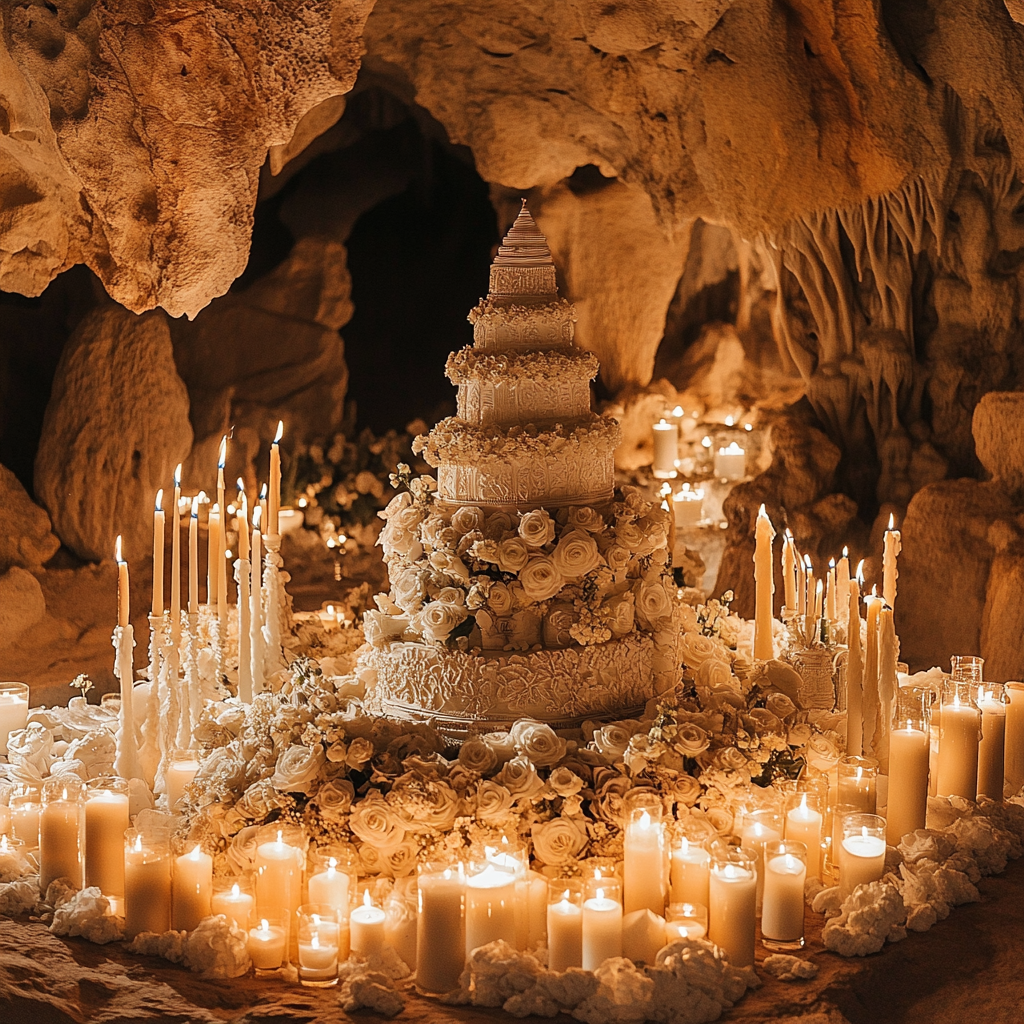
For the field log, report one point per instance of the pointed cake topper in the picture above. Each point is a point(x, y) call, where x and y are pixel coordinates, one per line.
point(524, 244)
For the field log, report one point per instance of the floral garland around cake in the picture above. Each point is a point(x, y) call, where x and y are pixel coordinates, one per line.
point(507, 368)
point(607, 571)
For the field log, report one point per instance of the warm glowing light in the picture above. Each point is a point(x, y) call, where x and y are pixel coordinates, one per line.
point(256, 517)
point(748, 426)
point(892, 521)
point(177, 475)
point(729, 421)
point(831, 563)
point(280, 431)
point(223, 452)
point(117, 549)
point(263, 492)
point(367, 902)
point(860, 572)
point(228, 554)
point(159, 499)
point(235, 891)
point(241, 485)
point(678, 411)
point(195, 507)
point(706, 441)
point(846, 551)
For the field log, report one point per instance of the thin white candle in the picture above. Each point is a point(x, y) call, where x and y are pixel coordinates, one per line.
point(235, 905)
point(176, 558)
point(273, 527)
point(222, 538)
point(764, 585)
point(992, 748)
point(854, 670)
point(193, 559)
point(158, 555)
point(892, 547)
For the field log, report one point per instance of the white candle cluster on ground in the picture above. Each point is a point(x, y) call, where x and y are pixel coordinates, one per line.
point(147, 885)
point(602, 922)
point(191, 889)
point(804, 823)
point(782, 916)
point(106, 821)
point(991, 751)
point(862, 852)
point(565, 925)
point(732, 914)
point(959, 731)
point(690, 872)
point(643, 855)
point(366, 926)
point(61, 832)
point(440, 927)
point(907, 802)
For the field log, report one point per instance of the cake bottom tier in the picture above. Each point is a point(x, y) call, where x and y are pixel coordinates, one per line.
point(460, 691)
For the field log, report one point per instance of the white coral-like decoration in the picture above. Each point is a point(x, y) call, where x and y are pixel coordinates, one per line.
point(870, 916)
point(87, 913)
point(19, 896)
point(789, 968)
point(213, 950)
point(364, 987)
point(504, 368)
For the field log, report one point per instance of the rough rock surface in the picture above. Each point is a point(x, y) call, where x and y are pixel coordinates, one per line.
point(115, 427)
point(22, 604)
point(998, 428)
point(25, 535)
point(133, 135)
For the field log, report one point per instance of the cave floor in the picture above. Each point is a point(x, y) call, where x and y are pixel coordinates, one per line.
point(965, 969)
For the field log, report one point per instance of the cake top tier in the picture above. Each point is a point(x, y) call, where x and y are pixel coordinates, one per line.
point(523, 272)
point(524, 245)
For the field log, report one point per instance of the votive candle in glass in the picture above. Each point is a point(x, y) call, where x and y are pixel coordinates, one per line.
point(565, 924)
point(602, 921)
point(909, 752)
point(992, 705)
point(106, 821)
point(318, 944)
point(366, 927)
point(182, 766)
point(13, 711)
point(490, 898)
point(731, 463)
point(732, 913)
point(268, 943)
point(332, 877)
point(959, 739)
point(191, 887)
point(24, 804)
point(13, 862)
point(804, 823)
point(686, 921)
point(760, 827)
point(643, 853)
point(782, 915)
point(858, 780)
point(862, 852)
point(666, 449)
point(61, 831)
point(440, 926)
point(147, 884)
point(233, 897)
point(690, 866)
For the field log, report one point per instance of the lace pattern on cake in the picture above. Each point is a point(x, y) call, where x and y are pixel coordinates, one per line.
point(539, 401)
point(523, 328)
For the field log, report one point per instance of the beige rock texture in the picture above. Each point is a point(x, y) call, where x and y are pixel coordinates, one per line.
point(998, 428)
point(133, 135)
point(115, 427)
point(26, 539)
point(22, 604)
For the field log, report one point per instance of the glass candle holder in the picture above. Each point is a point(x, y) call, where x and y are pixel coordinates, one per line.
point(782, 916)
point(191, 885)
point(235, 898)
point(400, 922)
point(565, 923)
point(909, 754)
point(366, 927)
point(601, 867)
point(992, 705)
point(758, 828)
point(280, 858)
point(13, 862)
point(839, 814)
point(62, 831)
point(862, 851)
point(268, 943)
point(686, 921)
point(858, 781)
point(13, 711)
point(147, 884)
point(967, 668)
point(331, 877)
point(182, 766)
point(959, 737)
point(440, 925)
point(732, 912)
point(106, 821)
point(690, 864)
point(490, 897)
point(805, 824)
point(602, 921)
point(643, 862)
point(24, 804)
point(318, 944)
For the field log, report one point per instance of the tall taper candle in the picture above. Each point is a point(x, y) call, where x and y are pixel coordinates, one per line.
point(242, 521)
point(213, 555)
point(888, 655)
point(869, 705)
point(892, 547)
point(789, 571)
point(764, 583)
point(830, 594)
point(158, 559)
point(255, 604)
point(176, 558)
point(272, 526)
point(222, 539)
point(854, 672)
point(843, 589)
point(123, 599)
point(193, 559)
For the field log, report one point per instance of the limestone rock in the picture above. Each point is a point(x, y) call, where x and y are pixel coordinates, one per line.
point(115, 427)
point(25, 535)
point(998, 428)
point(21, 604)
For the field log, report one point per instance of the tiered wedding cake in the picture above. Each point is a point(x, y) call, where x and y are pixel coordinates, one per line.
point(521, 587)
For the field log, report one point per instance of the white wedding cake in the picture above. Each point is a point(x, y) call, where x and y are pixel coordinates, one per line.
point(521, 585)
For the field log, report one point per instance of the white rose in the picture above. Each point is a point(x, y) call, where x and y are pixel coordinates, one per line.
point(576, 554)
point(359, 751)
point(401, 541)
point(502, 745)
point(691, 740)
point(686, 790)
point(559, 841)
point(695, 649)
point(335, 800)
point(408, 518)
point(540, 579)
point(376, 824)
point(780, 705)
point(437, 620)
point(653, 605)
point(617, 558)
point(513, 554)
point(477, 756)
point(396, 504)
point(822, 752)
point(520, 778)
point(499, 600)
point(298, 768)
point(612, 739)
point(629, 535)
point(493, 803)
point(409, 588)
point(714, 672)
point(538, 742)
point(451, 595)
point(401, 861)
point(467, 519)
point(585, 518)
point(380, 629)
point(450, 565)
point(497, 525)
point(565, 782)
point(618, 614)
point(798, 734)
point(536, 528)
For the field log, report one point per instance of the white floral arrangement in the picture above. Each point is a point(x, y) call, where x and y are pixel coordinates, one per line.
point(485, 310)
point(608, 571)
point(505, 368)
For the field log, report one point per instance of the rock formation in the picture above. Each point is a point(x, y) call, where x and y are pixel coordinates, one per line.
point(26, 539)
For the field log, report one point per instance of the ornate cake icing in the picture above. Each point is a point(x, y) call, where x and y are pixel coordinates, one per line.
point(521, 585)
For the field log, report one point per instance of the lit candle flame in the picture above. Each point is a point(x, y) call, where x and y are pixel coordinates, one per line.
point(315, 941)
point(367, 902)
point(860, 572)
point(831, 563)
point(846, 551)
point(195, 854)
point(159, 500)
point(223, 457)
point(177, 475)
point(263, 492)
point(645, 820)
point(729, 421)
point(892, 521)
point(241, 485)
point(332, 863)
point(117, 549)
point(235, 891)
point(138, 844)
point(280, 431)
point(195, 507)
point(256, 517)
point(265, 926)
point(600, 894)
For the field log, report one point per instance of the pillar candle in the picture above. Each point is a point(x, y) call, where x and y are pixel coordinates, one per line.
point(643, 857)
point(318, 946)
point(490, 906)
point(731, 463)
point(958, 750)
point(330, 886)
point(440, 928)
point(176, 558)
point(992, 748)
point(892, 547)
point(25, 821)
point(147, 886)
point(181, 770)
point(666, 448)
point(690, 867)
point(602, 929)
point(13, 710)
point(789, 572)
point(754, 835)
point(565, 934)
point(158, 555)
point(193, 559)
point(366, 924)
point(861, 860)
point(804, 825)
point(61, 833)
point(888, 656)
point(278, 877)
point(782, 919)
point(235, 905)
point(213, 555)
point(191, 889)
point(273, 527)
point(732, 914)
point(869, 705)
point(908, 782)
point(106, 821)
point(764, 585)
point(222, 538)
point(854, 673)
point(1013, 742)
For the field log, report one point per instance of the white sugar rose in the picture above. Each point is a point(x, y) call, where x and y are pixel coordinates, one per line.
point(540, 579)
point(437, 620)
point(618, 614)
point(560, 841)
point(360, 751)
point(538, 742)
point(485, 551)
point(396, 504)
point(536, 528)
point(822, 752)
point(576, 554)
point(380, 629)
point(335, 800)
point(653, 605)
point(500, 601)
point(617, 558)
point(612, 739)
point(408, 518)
point(691, 740)
point(502, 745)
point(780, 705)
point(513, 554)
point(298, 769)
point(498, 525)
point(450, 565)
point(731, 760)
point(477, 756)
point(493, 803)
point(377, 824)
point(713, 673)
point(451, 595)
point(799, 733)
point(401, 541)
point(520, 778)
point(409, 588)
point(467, 519)
point(565, 782)
point(584, 518)
point(695, 649)
point(629, 535)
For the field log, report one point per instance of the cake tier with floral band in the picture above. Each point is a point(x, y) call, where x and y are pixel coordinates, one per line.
point(521, 584)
